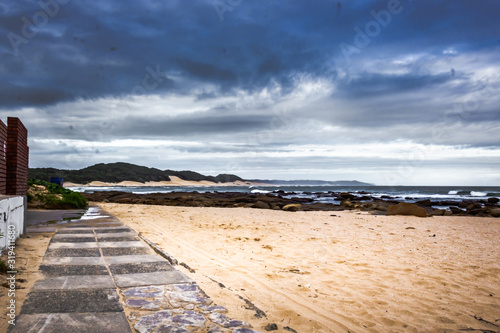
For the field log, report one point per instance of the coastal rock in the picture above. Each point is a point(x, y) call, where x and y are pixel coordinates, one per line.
point(473, 206)
point(437, 212)
point(456, 210)
point(404, 208)
point(292, 207)
point(447, 203)
point(271, 327)
point(261, 205)
point(463, 204)
point(495, 212)
point(347, 204)
point(346, 195)
point(493, 200)
point(425, 203)
point(381, 205)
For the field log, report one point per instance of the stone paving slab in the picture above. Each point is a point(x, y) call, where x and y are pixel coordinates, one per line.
point(74, 227)
point(133, 259)
point(71, 236)
point(73, 245)
point(179, 308)
point(72, 253)
point(119, 239)
point(75, 231)
point(115, 234)
point(112, 230)
point(79, 301)
point(71, 282)
point(125, 251)
point(79, 226)
point(73, 261)
point(34, 230)
point(95, 267)
point(149, 279)
point(122, 244)
point(64, 270)
point(110, 222)
point(112, 322)
point(78, 239)
point(146, 267)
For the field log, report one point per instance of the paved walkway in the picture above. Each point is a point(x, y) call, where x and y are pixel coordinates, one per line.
point(99, 276)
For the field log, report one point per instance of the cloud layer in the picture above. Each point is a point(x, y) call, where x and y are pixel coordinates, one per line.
point(391, 92)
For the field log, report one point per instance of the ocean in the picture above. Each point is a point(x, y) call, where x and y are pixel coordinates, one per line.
point(400, 193)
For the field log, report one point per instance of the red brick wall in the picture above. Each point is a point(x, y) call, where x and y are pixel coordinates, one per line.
point(3, 163)
point(17, 157)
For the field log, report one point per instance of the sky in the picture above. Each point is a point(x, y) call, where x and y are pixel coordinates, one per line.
point(387, 92)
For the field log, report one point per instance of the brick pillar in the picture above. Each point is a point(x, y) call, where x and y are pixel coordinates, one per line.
point(17, 157)
point(3, 158)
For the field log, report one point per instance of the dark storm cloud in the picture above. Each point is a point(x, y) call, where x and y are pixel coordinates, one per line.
point(371, 84)
point(190, 126)
point(100, 49)
point(205, 71)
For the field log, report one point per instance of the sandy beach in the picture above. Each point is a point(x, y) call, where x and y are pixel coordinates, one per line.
point(334, 271)
point(29, 254)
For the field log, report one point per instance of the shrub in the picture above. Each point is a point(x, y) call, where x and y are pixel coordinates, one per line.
point(69, 198)
point(75, 199)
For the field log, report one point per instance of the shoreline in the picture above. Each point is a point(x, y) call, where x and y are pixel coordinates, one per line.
point(280, 200)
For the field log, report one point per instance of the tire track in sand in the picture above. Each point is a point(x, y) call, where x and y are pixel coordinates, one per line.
point(340, 322)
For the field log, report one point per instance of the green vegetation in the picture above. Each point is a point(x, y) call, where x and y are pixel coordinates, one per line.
point(118, 172)
point(48, 195)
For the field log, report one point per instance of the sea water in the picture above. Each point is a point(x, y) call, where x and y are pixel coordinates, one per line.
point(400, 193)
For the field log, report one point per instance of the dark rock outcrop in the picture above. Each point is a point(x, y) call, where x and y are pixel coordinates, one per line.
point(404, 208)
point(281, 200)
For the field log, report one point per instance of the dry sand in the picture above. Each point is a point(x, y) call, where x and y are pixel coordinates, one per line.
point(174, 181)
point(314, 272)
point(29, 254)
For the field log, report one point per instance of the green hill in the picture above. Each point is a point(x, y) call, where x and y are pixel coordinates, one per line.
point(118, 172)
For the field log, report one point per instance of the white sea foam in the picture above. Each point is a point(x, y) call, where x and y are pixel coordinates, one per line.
point(96, 188)
point(453, 192)
point(478, 194)
point(150, 192)
point(260, 191)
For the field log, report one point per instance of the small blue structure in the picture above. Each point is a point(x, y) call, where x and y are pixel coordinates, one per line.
point(56, 180)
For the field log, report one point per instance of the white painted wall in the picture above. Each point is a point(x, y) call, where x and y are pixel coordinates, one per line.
point(11, 218)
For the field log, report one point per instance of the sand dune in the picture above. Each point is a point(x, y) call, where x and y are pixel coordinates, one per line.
point(314, 272)
point(174, 181)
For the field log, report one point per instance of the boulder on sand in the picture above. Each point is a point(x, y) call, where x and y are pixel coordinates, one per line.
point(404, 208)
point(495, 212)
point(261, 205)
point(292, 207)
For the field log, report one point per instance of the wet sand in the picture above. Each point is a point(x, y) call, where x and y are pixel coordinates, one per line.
point(314, 272)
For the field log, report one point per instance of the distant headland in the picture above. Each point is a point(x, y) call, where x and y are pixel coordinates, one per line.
point(127, 174)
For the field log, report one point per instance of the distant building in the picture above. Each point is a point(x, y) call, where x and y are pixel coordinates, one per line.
point(57, 180)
